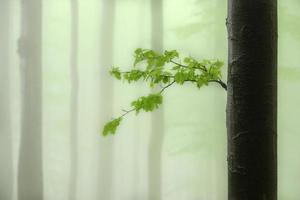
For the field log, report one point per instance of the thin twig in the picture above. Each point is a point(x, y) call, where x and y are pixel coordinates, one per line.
point(176, 63)
point(163, 89)
point(126, 112)
point(203, 68)
point(223, 85)
point(219, 81)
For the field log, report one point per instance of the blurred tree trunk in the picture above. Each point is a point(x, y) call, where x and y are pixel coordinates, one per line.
point(6, 172)
point(252, 99)
point(106, 99)
point(74, 102)
point(218, 147)
point(30, 177)
point(157, 118)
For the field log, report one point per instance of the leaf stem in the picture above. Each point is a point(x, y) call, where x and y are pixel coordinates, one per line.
point(203, 68)
point(163, 89)
point(126, 112)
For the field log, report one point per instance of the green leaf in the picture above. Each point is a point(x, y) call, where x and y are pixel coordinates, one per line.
point(115, 72)
point(160, 61)
point(147, 103)
point(169, 55)
point(150, 54)
point(176, 67)
point(188, 60)
point(111, 127)
point(180, 77)
point(166, 79)
point(151, 63)
point(138, 51)
point(219, 64)
point(200, 82)
point(134, 75)
point(137, 60)
point(139, 56)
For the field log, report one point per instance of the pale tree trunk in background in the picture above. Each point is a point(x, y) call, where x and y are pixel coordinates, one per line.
point(30, 169)
point(157, 134)
point(6, 172)
point(157, 25)
point(252, 100)
point(138, 178)
point(218, 147)
point(106, 98)
point(74, 102)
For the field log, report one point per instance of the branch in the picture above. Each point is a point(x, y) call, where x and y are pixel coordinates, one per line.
point(219, 81)
point(126, 112)
point(163, 89)
point(223, 85)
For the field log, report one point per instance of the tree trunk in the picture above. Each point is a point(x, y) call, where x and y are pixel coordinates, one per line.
point(157, 25)
point(30, 177)
point(6, 172)
point(252, 100)
point(74, 102)
point(157, 118)
point(106, 99)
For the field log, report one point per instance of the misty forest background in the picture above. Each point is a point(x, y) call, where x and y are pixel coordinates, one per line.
point(56, 94)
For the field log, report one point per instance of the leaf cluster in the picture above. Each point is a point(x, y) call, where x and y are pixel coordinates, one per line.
point(147, 103)
point(159, 69)
point(111, 127)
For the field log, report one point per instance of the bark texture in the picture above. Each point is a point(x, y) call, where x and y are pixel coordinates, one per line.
point(30, 176)
point(105, 178)
point(74, 102)
point(157, 135)
point(6, 172)
point(252, 100)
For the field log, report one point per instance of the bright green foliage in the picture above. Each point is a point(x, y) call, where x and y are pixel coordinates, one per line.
point(148, 103)
point(116, 73)
point(164, 70)
point(111, 126)
point(160, 69)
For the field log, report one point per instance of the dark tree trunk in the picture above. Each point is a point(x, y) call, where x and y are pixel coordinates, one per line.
point(6, 173)
point(252, 100)
point(74, 102)
point(157, 134)
point(106, 98)
point(30, 176)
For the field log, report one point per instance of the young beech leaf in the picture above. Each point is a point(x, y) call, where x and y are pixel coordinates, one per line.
point(134, 75)
point(180, 77)
point(189, 60)
point(138, 51)
point(169, 55)
point(111, 127)
point(115, 72)
point(139, 56)
point(219, 64)
point(147, 103)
